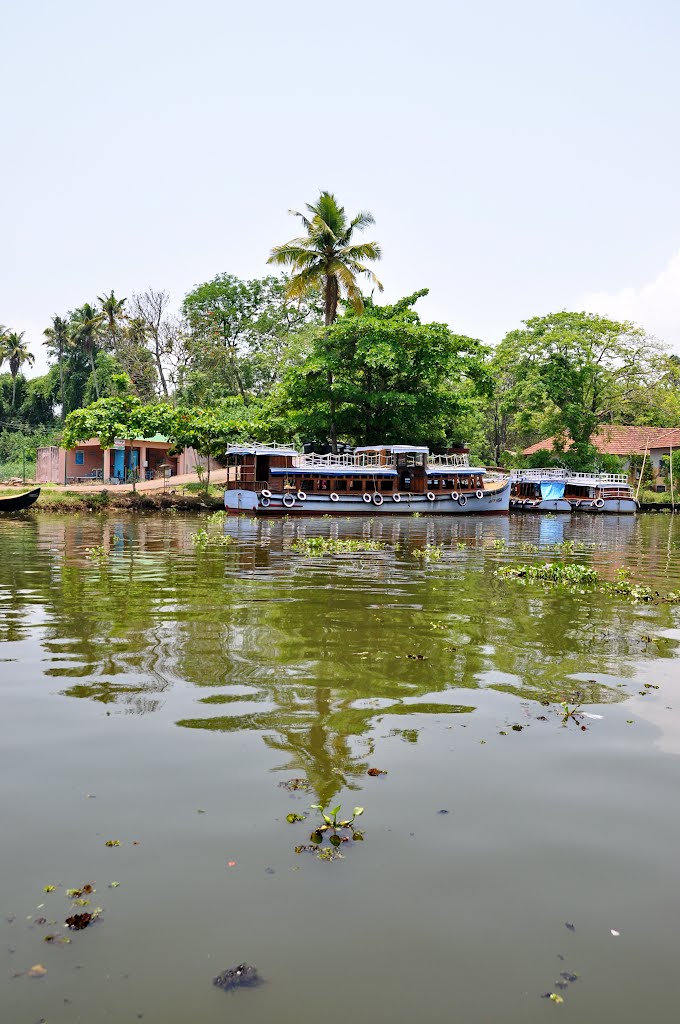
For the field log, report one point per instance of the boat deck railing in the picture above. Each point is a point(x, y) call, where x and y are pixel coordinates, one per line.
point(451, 460)
point(358, 460)
point(582, 479)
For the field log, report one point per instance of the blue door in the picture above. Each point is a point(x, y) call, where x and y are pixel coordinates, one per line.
point(119, 465)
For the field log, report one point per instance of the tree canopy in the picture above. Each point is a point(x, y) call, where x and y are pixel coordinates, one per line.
point(394, 379)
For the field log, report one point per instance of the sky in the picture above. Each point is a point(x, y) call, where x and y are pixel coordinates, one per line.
point(519, 157)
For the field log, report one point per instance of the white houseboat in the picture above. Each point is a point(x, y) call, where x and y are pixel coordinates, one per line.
point(561, 490)
point(276, 480)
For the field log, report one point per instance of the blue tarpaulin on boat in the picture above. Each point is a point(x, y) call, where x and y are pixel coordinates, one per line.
point(552, 489)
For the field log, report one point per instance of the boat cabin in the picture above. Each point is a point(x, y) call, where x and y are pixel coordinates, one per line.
point(381, 469)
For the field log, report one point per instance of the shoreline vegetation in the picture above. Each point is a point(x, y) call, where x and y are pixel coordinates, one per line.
point(66, 502)
point(311, 357)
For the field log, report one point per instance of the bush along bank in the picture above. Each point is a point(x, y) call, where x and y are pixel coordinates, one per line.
point(100, 501)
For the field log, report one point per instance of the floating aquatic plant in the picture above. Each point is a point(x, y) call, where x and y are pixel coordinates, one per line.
point(341, 829)
point(430, 553)
point(311, 546)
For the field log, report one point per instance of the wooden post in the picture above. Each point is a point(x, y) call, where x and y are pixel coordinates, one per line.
point(642, 469)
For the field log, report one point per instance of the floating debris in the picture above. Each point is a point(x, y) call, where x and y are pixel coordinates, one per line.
point(292, 818)
point(243, 976)
point(37, 971)
point(49, 888)
point(570, 926)
point(375, 772)
point(442, 811)
point(292, 785)
point(80, 921)
point(113, 842)
point(614, 932)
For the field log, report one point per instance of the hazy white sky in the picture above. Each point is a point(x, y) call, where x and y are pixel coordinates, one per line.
point(519, 157)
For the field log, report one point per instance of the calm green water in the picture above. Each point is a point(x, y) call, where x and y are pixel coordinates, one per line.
point(165, 682)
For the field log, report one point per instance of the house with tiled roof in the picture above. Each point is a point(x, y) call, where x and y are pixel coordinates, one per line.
point(652, 443)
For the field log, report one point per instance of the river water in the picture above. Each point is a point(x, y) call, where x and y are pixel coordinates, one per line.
point(158, 696)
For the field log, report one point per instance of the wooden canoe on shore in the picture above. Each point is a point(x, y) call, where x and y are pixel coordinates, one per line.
point(18, 502)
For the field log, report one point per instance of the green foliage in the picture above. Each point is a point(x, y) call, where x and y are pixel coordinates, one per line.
point(242, 336)
point(315, 546)
point(326, 258)
point(566, 373)
point(430, 553)
point(383, 376)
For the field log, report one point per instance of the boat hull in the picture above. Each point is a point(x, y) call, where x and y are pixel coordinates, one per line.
point(539, 505)
point(617, 506)
point(494, 502)
point(18, 502)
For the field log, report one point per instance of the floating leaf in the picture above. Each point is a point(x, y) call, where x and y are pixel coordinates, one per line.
point(316, 837)
point(335, 840)
point(292, 818)
point(358, 811)
point(555, 998)
point(358, 835)
point(113, 885)
point(112, 842)
point(49, 888)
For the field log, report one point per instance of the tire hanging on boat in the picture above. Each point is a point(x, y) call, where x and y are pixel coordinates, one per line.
point(266, 493)
point(598, 503)
point(288, 500)
point(462, 500)
point(264, 501)
point(334, 496)
point(367, 497)
point(396, 497)
point(377, 499)
point(301, 496)
point(455, 495)
point(479, 494)
point(430, 496)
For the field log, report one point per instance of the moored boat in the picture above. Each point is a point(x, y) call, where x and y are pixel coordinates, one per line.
point(18, 502)
point(276, 480)
point(562, 490)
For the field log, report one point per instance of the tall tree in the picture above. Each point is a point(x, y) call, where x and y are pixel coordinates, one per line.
point(112, 308)
point(326, 258)
point(86, 332)
point(579, 370)
point(57, 342)
point(150, 310)
point(13, 350)
point(395, 380)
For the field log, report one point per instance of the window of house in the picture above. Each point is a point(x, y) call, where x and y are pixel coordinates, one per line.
point(80, 458)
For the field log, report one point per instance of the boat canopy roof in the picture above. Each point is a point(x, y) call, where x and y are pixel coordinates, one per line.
point(418, 449)
point(334, 470)
point(445, 470)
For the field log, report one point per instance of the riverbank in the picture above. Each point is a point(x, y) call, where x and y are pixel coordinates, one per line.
point(68, 502)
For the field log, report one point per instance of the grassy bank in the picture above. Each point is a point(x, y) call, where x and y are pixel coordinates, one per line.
point(51, 500)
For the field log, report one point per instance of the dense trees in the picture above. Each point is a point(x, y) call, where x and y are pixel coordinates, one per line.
point(308, 356)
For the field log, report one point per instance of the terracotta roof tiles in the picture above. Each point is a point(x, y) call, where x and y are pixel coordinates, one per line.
point(613, 440)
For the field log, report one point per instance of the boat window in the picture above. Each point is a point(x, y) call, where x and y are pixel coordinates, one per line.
point(386, 485)
point(434, 482)
point(357, 484)
point(340, 484)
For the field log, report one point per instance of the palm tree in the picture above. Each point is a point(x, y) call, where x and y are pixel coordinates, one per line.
point(58, 341)
point(86, 330)
point(13, 351)
point(325, 258)
point(112, 308)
